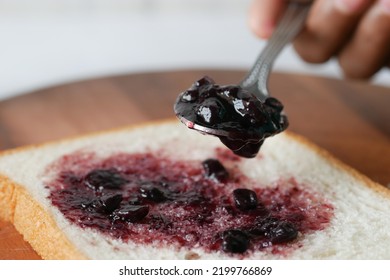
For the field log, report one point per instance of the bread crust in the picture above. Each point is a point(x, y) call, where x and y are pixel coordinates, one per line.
point(39, 228)
point(35, 224)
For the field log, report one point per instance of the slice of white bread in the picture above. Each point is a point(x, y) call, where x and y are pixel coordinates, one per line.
point(358, 228)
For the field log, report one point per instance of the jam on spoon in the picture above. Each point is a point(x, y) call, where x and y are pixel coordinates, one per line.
point(232, 113)
point(243, 115)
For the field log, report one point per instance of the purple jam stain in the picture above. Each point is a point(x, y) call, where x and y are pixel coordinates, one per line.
point(215, 170)
point(146, 198)
point(245, 119)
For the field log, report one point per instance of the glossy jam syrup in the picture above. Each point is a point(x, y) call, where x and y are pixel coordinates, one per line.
point(147, 199)
point(245, 119)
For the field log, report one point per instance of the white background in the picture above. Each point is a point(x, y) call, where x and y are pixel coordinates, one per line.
point(281, 270)
point(47, 42)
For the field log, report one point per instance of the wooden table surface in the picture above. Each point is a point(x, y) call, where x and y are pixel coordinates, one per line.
point(349, 119)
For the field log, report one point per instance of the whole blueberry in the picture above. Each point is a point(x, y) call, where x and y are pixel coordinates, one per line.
point(235, 241)
point(245, 199)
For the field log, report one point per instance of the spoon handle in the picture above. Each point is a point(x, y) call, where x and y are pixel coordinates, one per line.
point(289, 26)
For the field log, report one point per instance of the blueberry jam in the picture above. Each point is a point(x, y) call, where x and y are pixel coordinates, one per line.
point(152, 199)
point(244, 120)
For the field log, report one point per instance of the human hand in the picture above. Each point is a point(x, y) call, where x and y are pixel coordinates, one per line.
point(357, 32)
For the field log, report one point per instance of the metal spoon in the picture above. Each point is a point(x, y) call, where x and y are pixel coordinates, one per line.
point(256, 81)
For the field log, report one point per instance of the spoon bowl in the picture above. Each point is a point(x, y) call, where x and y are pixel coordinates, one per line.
point(243, 115)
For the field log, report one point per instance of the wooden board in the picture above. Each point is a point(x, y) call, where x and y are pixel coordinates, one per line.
point(349, 119)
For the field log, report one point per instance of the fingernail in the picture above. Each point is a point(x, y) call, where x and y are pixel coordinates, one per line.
point(385, 6)
point(263, 29)
point(268, 27)
point(349, 6)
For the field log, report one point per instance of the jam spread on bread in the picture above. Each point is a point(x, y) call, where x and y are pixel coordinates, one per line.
point(152, 199)
point(238, 113)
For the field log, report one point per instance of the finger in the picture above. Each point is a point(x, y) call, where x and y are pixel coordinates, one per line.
point(369, 49)
point(264, 15)
point(327, 28)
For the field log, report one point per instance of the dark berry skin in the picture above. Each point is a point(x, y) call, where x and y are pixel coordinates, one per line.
point(131, 213)
point(105, 204)
point(205, 81)
point(101, 179)
point(245, 120)
point(274, 103)
point(209, 112)
point(190, 95)
point(264, 225)
point(153, 192)
point(275, 230)
point(242, 148)
point(235, 241)
point(108, 203)
point(245, 199)
point(283, 232)
point(214, 169)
